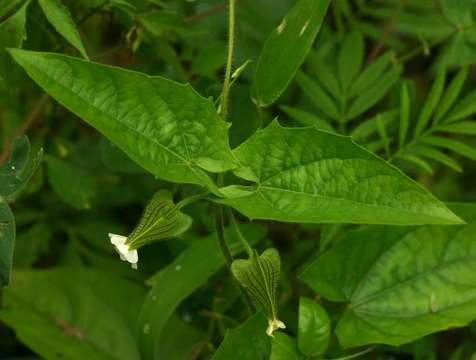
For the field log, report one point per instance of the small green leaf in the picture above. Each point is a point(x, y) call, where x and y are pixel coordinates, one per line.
point(463, 108)
point(16, 172)
point(451, 94)
point(458, 12)
point(370, 75)
point(418, 161)
point(59, 16)
point(351, 58)
point(382, 129)
point(286, 48)
point(314, 328)
point(404, 113)
point(284, 347)
point(12, 35)
point(431, 101)
point(435, 154)
point(373, 94)
point(307, 119)
point(166, 127)
point(450, 144)
point(7, 243)
point(463, 127)
point(246, 342)
point(325, 74)
point(317, 95)
point(369, 127)
point(161, 219)
point(401, 283)
point(311, 176)
point(259, 275)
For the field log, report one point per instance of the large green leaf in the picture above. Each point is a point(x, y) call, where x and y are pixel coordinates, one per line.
point(306, 175)
point(247, 342)
point(74, 313)
point(7, 243)
point(166, 127)
point(59, 16)
point(401, 283)
point(286, 48)
point(179, 280)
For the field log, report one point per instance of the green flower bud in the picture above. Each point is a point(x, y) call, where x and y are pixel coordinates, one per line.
point(161, 219)
point(259, 275)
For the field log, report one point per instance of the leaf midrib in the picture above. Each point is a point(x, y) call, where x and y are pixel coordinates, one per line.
point(343, 199)
point(153, 141)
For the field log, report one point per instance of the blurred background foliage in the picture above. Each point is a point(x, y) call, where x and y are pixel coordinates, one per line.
point(403, 54)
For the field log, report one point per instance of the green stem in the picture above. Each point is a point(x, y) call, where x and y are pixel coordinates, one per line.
point(353, 356)
point(229, 61)
point(220, 229)
point(225, 249)
point(246, 245)
point(415, 52)
point(190, 200)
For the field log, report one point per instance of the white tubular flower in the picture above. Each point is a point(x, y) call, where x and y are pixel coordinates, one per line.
point(273, 325)
point(123, 249)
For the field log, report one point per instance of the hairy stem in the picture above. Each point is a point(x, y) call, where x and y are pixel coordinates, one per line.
point(229, 61)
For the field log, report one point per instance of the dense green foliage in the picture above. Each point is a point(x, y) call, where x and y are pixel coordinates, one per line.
point(282, 179)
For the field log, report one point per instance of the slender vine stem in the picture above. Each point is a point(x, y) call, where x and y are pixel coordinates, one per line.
point(219, 218)
point(220, 229)
point(353, 356)
point(246, 245)
point(190, 200)
point(229, 61)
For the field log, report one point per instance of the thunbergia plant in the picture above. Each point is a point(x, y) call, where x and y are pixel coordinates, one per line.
point(268, 192)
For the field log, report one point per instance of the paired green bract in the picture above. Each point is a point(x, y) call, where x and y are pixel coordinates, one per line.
point(401, 284)
point(166, 127)
point(306, 175)
point(162, 219)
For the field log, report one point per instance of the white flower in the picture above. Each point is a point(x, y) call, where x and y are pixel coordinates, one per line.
point(273, 325)
point(123, 249)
